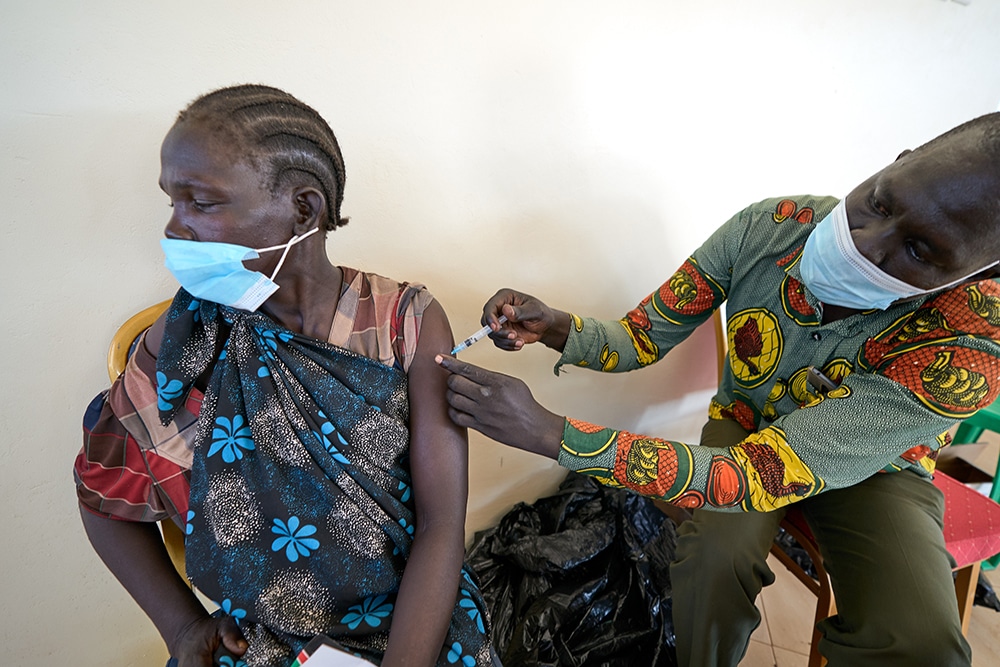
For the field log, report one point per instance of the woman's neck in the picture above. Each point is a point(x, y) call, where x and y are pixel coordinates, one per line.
point(307, 300)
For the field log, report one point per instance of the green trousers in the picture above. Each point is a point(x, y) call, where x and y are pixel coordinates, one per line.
point(882, 544)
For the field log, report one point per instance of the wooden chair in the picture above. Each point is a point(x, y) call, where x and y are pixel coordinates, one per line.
point(971, 534)
point(795, 525)
point(128, 335)
point(122, 344)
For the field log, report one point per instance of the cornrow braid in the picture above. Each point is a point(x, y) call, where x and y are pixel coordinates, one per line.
point(285, 138)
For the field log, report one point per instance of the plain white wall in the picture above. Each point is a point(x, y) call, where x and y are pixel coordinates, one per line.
point(577, 150)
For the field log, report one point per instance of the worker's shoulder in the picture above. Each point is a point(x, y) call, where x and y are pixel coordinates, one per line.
point(802, 209)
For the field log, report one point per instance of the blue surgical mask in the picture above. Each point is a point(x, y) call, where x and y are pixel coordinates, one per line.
point(836, 272)
point(215, 272)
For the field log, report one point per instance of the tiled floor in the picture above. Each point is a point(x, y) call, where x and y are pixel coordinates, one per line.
point(787, 608)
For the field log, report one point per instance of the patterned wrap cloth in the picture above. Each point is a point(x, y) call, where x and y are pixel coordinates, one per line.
point(300, 514)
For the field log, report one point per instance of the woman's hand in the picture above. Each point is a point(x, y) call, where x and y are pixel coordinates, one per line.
point(134, 552)
point(500, 407)
point(528, 321)
point(201, 641)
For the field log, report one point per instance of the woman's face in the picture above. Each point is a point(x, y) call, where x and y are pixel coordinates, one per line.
point(216, 195)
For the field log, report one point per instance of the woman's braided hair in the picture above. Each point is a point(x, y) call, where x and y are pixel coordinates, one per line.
point(284, 138)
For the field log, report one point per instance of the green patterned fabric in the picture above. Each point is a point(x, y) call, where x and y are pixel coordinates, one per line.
point(905, 374)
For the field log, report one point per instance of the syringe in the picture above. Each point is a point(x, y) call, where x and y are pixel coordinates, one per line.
point(479, 335)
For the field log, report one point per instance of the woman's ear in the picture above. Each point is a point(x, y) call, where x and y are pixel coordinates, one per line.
point(310, 209)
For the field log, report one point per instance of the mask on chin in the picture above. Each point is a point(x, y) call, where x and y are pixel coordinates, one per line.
point(214, 271)
point(836, 272)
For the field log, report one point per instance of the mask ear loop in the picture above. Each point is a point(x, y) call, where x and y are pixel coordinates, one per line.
point(953, 283)
point(287, 247)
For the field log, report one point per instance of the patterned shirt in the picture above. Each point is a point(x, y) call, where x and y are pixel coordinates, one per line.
point(905, 375)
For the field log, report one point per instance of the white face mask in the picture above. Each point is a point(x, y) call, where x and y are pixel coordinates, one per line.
point(214, 271)
point(834, 270)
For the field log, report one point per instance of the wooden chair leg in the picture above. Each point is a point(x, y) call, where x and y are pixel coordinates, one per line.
point(966, 580)
point(825, 604)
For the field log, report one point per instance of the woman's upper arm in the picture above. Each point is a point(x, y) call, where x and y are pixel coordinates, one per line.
point(438, 448)
point(154, 335)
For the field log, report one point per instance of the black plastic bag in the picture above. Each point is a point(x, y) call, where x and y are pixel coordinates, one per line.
point(985, 595)
point(579, 579)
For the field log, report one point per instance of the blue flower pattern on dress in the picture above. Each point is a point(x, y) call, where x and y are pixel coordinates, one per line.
point(227, 661)
point(231, 438)
point(166, 392)
point(195, 305)
point(188, 528)
point(268, 340)
point(469, 605)
point(237, 613)
point(405, 488)
point(409, 531)
point(371, 611)
point(294, 538)
point(326, 429)
point(456, 653)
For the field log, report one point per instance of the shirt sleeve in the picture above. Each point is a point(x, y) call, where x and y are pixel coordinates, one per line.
point(119, 477)
point(380, 318)
point(112, 475)
point(406, 321)
point(866, 425)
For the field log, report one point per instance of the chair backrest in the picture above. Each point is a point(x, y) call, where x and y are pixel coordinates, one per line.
point(128, 333)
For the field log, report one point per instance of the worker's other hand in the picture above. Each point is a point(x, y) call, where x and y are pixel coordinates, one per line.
point(500, 407)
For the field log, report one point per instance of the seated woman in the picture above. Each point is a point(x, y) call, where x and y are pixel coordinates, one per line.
point(299, 436)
